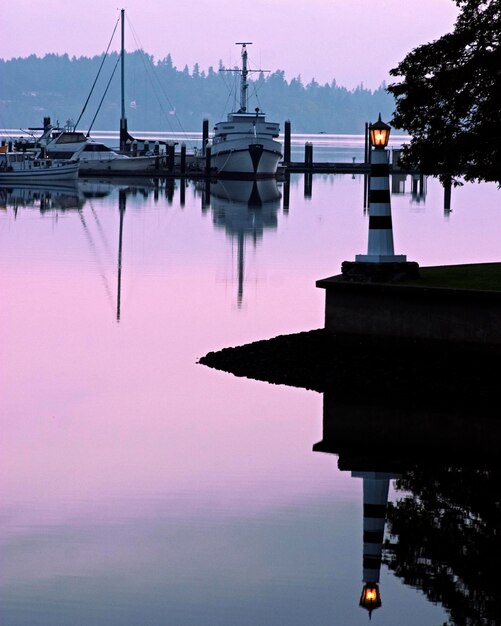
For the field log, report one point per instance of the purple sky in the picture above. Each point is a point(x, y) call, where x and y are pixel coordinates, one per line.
point(321, 39)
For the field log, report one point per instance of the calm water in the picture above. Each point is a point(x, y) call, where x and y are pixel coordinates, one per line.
point(139, 487)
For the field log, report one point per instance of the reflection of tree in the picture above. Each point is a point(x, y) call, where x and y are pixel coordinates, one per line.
point(449, 541)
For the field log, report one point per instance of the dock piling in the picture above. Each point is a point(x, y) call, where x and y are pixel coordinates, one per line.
point(183, 158)
point(207, 160)
point(205, 135)
point(308, 154)
point(287, 142)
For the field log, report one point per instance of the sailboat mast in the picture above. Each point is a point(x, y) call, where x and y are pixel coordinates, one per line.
point(123, 121)
point(122, 61)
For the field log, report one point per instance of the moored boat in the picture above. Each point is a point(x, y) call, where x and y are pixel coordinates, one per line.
point(244, 145)
point(29, 166)
point(95, 157)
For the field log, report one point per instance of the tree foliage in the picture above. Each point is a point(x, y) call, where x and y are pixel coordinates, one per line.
point(449, 97)
point(160, 97)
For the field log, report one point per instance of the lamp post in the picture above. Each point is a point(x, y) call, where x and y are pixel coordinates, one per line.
point(380, 245)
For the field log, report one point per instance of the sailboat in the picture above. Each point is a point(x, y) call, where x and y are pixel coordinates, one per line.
point(244, 145)
point(96, 158)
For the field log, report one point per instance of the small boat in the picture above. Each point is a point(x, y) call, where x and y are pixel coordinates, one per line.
point(95, 157)
point(244, 146)
point(30, 166)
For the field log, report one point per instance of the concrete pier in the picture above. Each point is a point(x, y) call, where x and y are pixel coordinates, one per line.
point(393, 311)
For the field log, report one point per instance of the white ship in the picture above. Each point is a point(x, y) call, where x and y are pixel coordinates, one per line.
point(244, 145)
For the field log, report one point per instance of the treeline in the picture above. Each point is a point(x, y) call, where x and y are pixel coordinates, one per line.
point(160, 97)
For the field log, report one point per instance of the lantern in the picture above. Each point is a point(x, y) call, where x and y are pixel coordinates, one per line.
point(380, 134)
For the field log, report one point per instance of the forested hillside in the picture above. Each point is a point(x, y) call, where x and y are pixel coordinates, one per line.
point(160, 97)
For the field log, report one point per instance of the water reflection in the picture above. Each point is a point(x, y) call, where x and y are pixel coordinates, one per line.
point(244, 209)
point(73, 195)
point(443, 528)
point(45, 197)
point(139, 487)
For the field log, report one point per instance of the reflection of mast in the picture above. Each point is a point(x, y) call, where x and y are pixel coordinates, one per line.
point(241, 249)
point(244, 209)
point(121, 208)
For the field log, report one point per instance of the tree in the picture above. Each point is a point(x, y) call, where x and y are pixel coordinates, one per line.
point(449, 98)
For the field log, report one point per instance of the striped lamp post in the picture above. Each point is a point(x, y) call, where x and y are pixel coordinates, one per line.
point(380, 245)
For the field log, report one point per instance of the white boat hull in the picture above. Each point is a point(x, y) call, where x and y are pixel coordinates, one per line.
point(31, 173)
point(128, 165)
point(244, 159)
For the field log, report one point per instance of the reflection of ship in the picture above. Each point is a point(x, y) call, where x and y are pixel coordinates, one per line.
point(102, 186)
point(244, 209)
point(68, 195)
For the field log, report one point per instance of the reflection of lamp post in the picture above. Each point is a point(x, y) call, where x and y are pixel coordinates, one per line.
point(370, 598)
point(380, 245)
point(376, 486)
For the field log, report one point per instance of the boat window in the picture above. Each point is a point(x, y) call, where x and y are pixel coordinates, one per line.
point(96, 147)
point(71, 138)
point(60, 155)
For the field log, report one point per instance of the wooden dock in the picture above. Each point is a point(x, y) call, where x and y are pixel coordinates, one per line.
point(295, 167)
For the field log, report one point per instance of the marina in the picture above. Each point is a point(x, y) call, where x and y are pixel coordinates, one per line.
point(250, 368)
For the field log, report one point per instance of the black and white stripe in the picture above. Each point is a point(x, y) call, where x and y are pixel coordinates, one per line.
point(380, 245)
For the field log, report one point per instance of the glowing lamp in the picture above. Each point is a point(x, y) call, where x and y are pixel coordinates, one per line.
point(380, 134)
point(370, 598)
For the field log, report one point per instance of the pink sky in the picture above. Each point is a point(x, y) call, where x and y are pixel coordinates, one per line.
point(321, 39)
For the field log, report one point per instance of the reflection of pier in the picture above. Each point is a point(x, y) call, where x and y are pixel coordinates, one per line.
point(380, 443)
point(430, 418)
point(244, 209)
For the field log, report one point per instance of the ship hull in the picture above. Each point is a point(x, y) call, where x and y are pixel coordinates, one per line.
point(129, 165)
point(241, 159)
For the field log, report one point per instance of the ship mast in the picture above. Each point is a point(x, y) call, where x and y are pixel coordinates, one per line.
point(244, 85)
point(244, 72)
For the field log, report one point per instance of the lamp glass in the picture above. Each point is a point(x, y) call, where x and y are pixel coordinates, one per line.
point(371, 597)
point(380, 134)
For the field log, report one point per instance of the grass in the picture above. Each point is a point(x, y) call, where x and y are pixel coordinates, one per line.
point(480, 276)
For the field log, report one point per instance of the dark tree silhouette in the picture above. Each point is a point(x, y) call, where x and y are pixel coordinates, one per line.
point(449, 98)
point(446, 540)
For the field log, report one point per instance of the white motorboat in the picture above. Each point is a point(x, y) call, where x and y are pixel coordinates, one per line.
point(95, 157)
point(29, 166)
point(244, 145)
